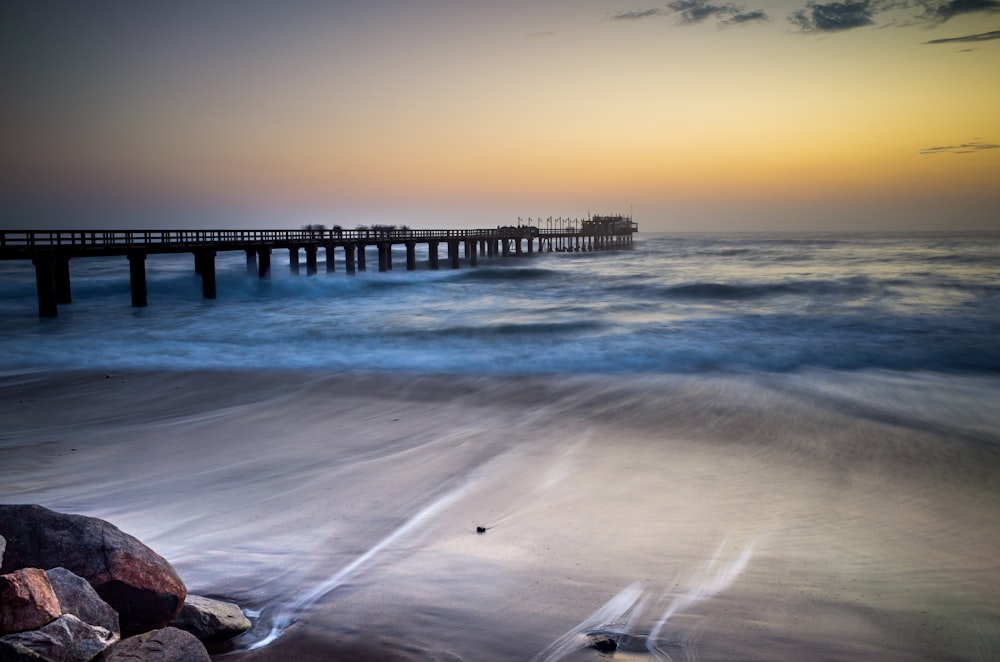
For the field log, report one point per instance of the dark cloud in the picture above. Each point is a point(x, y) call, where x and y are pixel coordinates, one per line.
point(944, 11)
point(822, 16)
point(745, 17)
point(690, 12)
point(963, 148)
point(982, 36)
point(696, 11)
point(637, 14)
point(833, 16)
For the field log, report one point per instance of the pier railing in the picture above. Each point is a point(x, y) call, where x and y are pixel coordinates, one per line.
point(15, 240)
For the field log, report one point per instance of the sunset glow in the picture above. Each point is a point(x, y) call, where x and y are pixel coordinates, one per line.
point(437, 113)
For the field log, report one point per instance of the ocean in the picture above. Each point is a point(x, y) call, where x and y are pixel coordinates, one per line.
point(707, 447)
point(675, 304)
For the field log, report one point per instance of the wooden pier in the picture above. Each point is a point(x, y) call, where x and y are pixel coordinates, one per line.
point(51, 250)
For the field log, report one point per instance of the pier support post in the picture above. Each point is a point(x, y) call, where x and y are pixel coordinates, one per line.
point(263, 262)
point(137, 277)
point(207, 259)
point(517, 247)
point(251, 261)
point(63, 293)
point(383, 258)
point(432, 254)
point(411, 255)
point(197, 263)
point(388, 255)
point(331, 259)
point(470, 253)
point(349, 258)
point(362, 266)
point(45, 279)
point(293, 259)
point(531, 244)
point(453, 253)
point(311, 260)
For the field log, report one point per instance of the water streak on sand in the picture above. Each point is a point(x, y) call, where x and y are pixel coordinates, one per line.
point(711, 578)
point(289, 612)
point(620, 617)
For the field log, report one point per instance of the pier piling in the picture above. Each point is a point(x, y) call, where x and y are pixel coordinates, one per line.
point(63, 293)
point(263, 262)
point(349, 258)
point(311, 260)
point(137, 277)
point(45, 279)
point(411, 255)
point(433, 255)
point(207, 274)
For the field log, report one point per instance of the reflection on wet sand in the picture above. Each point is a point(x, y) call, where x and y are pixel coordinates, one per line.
point(711, 518)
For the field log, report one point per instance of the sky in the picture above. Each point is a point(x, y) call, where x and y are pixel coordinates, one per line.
point(692, 115)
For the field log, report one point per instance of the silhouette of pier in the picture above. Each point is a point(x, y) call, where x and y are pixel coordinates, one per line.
point(51, 250)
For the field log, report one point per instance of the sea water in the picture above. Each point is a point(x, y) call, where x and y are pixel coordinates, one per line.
point(675, 303)
point(705, 447)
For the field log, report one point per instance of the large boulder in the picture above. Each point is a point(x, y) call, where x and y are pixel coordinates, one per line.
point(212, 621)
point(136, 581)
point(66, 639)
point(166, 645)
point(27, 601)
point(78, 597)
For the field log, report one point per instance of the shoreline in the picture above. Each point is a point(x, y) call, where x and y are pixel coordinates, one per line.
point(836, 516)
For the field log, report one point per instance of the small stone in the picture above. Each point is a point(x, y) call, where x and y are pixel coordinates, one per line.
point(212, 621)
point(480, 529)
point(78, 597)
point(66, 639)
point(27, 601)
point(604, 643)
point(166, 645)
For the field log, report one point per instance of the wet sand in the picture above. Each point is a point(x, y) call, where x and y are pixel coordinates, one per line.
point(782, 517)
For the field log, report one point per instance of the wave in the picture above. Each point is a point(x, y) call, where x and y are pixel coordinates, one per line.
point(853, 286)
point(505, 274)
point(505, 330)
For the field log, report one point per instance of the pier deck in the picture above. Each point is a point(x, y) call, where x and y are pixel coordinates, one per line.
point(51, 250)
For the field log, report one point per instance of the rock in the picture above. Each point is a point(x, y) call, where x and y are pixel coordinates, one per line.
point(136, 581)
point(166, 645)
point(66, 639)
point(212, 621)
point(78, 597)
point(3, 545)
point(27, 601)
point(603, 643)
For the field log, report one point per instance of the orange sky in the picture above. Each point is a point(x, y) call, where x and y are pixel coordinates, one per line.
point(694, 114)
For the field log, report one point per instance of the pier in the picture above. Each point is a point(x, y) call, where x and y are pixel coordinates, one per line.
point(51, 251)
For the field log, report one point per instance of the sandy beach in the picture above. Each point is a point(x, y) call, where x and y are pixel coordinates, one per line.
point(790, 517)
